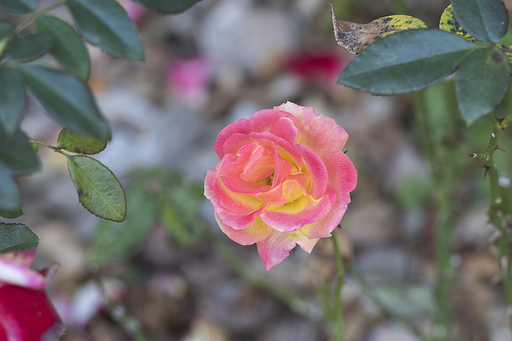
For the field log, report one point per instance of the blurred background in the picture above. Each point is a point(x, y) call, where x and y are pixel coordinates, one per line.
point(170, 274)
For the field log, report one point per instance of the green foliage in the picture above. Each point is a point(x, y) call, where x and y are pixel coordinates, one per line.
point(28, 47)
point(12, 99)
point(9, 198)
point(16, 153)
point(486, 20)
point(67, 99)
point(11, 213)
point(450, 24)
point(16, 237)
point(483, 79)
point(68, 47)
point(98, 189)
point(18, 6)
point(115, 239)
point(412, 60)
point(78, 143)
point(168, 6)
point(106, 24)
point(5, 29)
point(406, 61)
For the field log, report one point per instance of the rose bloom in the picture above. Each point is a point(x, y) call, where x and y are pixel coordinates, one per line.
point(283, 180)
point(26, 314)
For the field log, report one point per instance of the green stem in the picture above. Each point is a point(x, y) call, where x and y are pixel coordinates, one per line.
point(338, 290)
point(36, 15)
point(57, 149)
point(500, 212)
point(442, 173)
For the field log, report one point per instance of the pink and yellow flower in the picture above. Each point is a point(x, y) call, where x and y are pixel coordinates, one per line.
point(283, 180)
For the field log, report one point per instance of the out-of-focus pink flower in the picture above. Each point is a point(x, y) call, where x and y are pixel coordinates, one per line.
point(26, 314)
point(283, 180)
point(189, 78)
point(321, 65)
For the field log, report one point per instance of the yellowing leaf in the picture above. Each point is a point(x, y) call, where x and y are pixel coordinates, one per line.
point(448, 23)
point(355, 37)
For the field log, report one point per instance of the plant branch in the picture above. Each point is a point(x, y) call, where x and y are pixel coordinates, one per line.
point(338, 290)
point(500, 211)
point(442, 174)
point(36, 15)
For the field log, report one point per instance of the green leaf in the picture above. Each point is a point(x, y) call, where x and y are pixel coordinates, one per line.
point(11, 213)
point(18, 6)
point(450, 24)
point(78, 143)
point(68, 47)
point(483, 79)
point(5, 29)
point(486, 20)
point(406, 61)
point(98, 189)
point(168, 6)
point(16, 153)
point(9, 198)
point(12, 99)
point(67, 99)
point(29, 47)
point(114, 239)
point(105, 23)
point(16, 237)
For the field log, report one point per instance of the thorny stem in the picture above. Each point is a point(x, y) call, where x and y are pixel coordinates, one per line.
point(442, 174)
point(500, 212)
point(338, 291)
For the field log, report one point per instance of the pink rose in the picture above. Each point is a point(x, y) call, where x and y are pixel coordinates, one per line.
point(283, 180)
point(26, 314)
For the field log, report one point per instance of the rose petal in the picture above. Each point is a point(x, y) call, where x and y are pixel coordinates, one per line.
point(294, 215)
point(235, 143)
point(27, 314)
point(343, 176)
point(285, 128)
point(274, 249)
point(317, 170)
point(241, 126)
point(290, 188)
point(12, 273)
point(253, 233)
point(319, 132)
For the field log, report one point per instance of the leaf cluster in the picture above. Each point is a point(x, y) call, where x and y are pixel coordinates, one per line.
point(62, 89)
point(466, 43)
